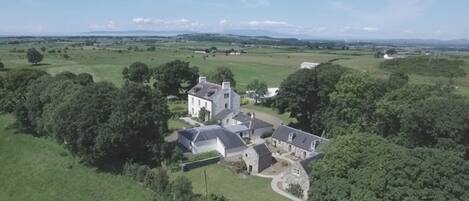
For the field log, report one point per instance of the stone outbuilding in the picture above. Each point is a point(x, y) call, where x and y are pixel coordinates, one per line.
point(257, 158)
point(299, 173)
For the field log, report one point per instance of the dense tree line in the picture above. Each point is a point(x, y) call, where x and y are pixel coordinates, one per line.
point(366, 167)
point(174, 77)
point(391, 139)
point(98, 122)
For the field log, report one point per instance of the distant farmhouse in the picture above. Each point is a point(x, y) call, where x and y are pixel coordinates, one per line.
point(309, 65)
point(217, 100)
point(388, 57)
point(210, 138)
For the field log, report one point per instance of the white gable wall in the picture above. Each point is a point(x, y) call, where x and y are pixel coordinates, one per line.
point(209, 145)
point(194, 107)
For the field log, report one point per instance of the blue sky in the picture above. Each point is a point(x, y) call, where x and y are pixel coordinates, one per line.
point(440, 19)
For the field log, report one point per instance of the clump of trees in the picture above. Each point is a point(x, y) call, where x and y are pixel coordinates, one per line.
point(259, 88)
point(2, 66)
point(137, 72)
point(175, 77)
point(222, 74)
point(305, 95)
point(367, 167)
point(34, 56)
point(392, 140)
point(101, 124)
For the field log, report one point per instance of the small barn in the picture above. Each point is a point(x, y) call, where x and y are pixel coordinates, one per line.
point(257, 158)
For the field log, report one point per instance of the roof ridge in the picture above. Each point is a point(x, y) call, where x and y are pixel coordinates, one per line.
point(304, 132)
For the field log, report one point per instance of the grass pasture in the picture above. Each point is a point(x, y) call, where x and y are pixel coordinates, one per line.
point(270, 64)
point(222, 181)
point(41, 170)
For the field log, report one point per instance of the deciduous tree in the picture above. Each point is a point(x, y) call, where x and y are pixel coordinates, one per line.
point(137, 72)
point(222, 74)
point(34, 56)
point(175, 77)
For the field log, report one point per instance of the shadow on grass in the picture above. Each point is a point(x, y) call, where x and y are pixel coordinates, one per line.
point(41, 64)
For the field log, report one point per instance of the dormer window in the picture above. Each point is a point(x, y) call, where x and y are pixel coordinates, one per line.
point(210, 93)
point(314, 144)
point(197, 89)
point(291, 136)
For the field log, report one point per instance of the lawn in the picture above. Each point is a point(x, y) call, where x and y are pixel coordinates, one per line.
point(39, 169)
point(222, 181)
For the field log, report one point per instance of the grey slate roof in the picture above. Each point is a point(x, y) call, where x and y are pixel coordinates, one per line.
point(203, 90)
point(237, 128)
point(301, 139)
point(247, 120)
point(257, 123)
point(261, 150)
point(306, 162)
point(222, 114)
point(241, 117)
point(198, 134)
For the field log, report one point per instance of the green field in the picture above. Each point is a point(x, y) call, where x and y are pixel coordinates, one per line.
point(264, 63)
point(222, 181)
point(41, 170)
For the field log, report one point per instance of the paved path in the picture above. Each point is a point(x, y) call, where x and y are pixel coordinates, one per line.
point(265, 117)
point(275, 187)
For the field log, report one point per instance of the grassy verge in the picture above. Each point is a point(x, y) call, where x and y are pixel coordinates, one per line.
point(39, 169)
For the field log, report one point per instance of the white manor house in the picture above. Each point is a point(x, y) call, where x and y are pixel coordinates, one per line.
point(218, 100)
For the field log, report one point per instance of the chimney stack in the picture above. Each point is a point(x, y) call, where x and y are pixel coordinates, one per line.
point(225, 86)
point(202, 79)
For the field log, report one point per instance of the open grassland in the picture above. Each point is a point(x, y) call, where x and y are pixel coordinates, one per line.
point(262, 62)
point(222, 181)
point(40, 169)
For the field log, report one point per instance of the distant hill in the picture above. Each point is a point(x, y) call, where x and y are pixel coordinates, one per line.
point(138, 33)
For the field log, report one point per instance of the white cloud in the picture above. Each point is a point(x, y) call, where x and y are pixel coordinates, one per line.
point(181, 23)
point(107, 26)
point(142, 21)
point(370, 29)
point(255, 3)
point(223, 22)
point(268, 23)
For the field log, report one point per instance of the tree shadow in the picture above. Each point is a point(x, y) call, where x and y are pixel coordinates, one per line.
point(41, 64)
